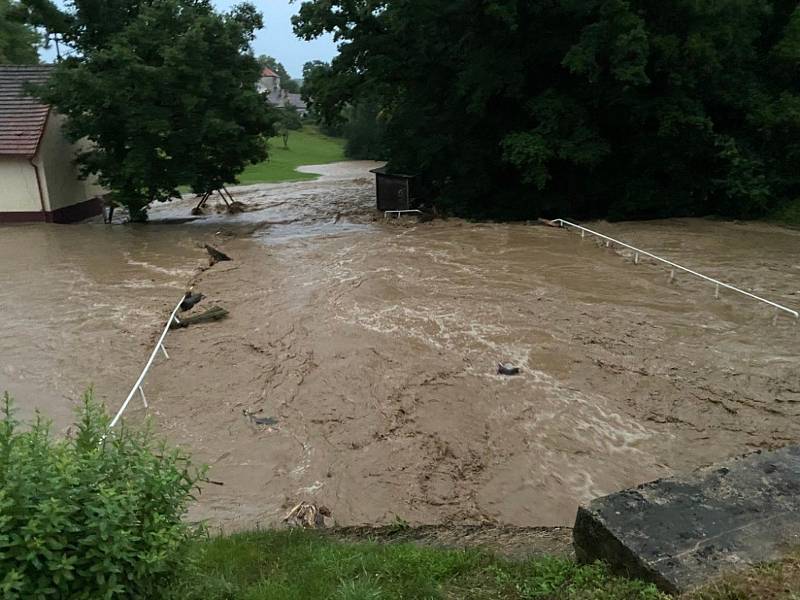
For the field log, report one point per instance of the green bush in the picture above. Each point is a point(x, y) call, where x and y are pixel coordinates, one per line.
point(92, 515)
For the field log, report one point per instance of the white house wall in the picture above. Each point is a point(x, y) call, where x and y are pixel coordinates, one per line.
point(19, 191)
point(57, 156)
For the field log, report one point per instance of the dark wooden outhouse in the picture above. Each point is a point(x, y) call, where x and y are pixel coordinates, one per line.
point(396, 191)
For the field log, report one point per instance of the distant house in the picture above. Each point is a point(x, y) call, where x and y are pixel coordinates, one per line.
point(38, 177)
point(270, 84)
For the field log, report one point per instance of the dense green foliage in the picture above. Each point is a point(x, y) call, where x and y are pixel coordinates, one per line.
point(297, 565)
point(625, 108)
point(362, 123)
point(89, 516)
point(18, 40)
point(364, 130)
point(287, 83)
point(165, 92)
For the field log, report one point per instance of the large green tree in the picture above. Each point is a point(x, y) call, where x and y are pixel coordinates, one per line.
point(18, 40)
point(165, 93)
point(626, 108)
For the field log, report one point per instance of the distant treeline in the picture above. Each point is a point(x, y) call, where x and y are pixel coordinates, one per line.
point(617, 108)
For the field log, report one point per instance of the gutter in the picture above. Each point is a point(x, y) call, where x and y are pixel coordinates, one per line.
point(39, 186)
point(36, 164)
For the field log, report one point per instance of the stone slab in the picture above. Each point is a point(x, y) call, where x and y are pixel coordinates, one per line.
point(683, 531)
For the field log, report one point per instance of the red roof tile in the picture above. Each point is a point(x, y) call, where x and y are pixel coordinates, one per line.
point(267, 72)
point(22, 117)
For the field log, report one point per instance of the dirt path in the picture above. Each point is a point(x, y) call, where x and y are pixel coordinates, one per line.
point(375, 345)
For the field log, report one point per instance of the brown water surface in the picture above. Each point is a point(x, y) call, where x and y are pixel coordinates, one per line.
point(375, 344)
point(79, 305)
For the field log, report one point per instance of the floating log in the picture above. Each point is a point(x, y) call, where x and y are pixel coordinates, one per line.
point(215, 313)
point(216, 255)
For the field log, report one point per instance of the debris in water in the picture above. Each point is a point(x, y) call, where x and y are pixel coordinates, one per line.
point(234, 208)
point(214, 313)
point(216, 255)
point(190, 299)
point(213, 482)
point(269, 421)
point(507, 369)
point(308, 516)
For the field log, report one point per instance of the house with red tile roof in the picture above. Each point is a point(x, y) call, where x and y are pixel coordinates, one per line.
point(39, 180)
point(270, 86)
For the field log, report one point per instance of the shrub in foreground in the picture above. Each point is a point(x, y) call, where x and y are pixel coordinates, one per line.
point(93, 515)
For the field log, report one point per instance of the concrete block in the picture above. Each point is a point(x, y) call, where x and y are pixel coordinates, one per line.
point(683, 531)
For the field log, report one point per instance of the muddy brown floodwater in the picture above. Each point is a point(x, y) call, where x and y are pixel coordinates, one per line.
point(374, 345)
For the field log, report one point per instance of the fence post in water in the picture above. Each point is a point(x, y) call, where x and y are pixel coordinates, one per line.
point(164, 350)
point(716, 292)
point(636, 258)
point(671, 275)
point(144, 400)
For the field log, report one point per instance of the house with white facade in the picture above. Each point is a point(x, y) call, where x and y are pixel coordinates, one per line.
point(39, 180)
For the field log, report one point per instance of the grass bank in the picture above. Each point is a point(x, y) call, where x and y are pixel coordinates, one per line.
point(298, 565)
point(306, 147)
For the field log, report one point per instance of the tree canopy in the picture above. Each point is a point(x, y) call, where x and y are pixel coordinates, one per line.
point(624, 108)
point(18, 41)
point(165, 93)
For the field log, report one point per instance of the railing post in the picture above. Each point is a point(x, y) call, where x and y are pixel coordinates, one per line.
point(144, 399)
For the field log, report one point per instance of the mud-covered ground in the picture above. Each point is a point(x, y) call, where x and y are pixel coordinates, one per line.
point(374, 345)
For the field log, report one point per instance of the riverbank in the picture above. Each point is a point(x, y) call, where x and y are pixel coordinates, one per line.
point(301, 564)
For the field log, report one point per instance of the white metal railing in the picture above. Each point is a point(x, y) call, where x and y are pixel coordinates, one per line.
point(386, 213)
point(138, 384)
point(638, 252)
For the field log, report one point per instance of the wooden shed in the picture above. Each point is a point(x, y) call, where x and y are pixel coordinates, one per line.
point(396, 191)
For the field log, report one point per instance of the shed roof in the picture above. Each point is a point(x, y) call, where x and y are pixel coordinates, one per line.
point(22, 117)
point(384, 171)
point(267, 72)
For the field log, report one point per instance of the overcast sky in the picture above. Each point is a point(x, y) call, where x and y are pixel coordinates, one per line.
point(276, 39)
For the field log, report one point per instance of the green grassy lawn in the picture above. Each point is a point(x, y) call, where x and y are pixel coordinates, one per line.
point(298, 565)
point(306, 147)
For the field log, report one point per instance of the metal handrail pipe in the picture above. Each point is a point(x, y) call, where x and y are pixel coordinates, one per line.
point(138, 384)
point(794, 313)
point(386, 213)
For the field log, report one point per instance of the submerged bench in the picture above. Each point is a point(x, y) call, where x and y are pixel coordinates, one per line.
point(683, 531)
